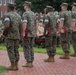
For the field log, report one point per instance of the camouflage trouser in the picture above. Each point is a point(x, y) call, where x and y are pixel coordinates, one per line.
point(28, 49)
point(74, 40)
point(50, 43)
point(65, 41)
point(12, 49)
point(58, 39)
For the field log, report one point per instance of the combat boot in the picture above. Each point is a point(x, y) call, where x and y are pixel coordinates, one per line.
point(16, 65)
point(73, 55)
point(50, 59)
point(66, 56)
point(13, 67)
point(28, 64)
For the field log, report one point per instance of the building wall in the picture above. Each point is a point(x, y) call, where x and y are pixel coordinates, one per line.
point(3, 7)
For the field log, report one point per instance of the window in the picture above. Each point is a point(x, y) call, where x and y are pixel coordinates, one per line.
point(9, 1)
point(4, 2)
point(0, 2)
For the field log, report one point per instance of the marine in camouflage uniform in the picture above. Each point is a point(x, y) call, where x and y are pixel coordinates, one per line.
point(28, 23)
point(12, 22)
point(74, 28)
point(50, 40)
point(65, 30)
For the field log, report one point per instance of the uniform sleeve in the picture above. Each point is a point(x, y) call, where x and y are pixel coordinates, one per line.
point(58, 20)
point(46, 20)
point(6, 21)
point(20, 26)
point(36, 19)
point(62, 17)
point(24, 18)
point(73, 16)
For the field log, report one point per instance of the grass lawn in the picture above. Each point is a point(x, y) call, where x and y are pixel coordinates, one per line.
point(2, 69)
point(39, 50)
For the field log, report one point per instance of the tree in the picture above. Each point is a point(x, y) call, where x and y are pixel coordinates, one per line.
point(19, 4)
point(39, 5)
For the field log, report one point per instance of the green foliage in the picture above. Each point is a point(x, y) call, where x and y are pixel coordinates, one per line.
point(39, 50)
point(19, 4)
point(39, 5)
point(1, 25)
point(2, 69)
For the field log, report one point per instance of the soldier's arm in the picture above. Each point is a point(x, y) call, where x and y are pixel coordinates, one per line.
point(6, 22)
point(20, 26)
point(61, 21)
point(46, 20)
point(73, 25)
point(46, 26)
point(24, 23)
point(7, 25)
point(36, 23)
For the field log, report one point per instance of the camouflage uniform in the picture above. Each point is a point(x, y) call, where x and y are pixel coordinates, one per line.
point(12, 40)
point(65, 38)
point(57, 28)
point(28, 43)
point(50, 42)
point(74, 28)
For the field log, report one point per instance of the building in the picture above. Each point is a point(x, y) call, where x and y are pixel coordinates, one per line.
point(3, 7)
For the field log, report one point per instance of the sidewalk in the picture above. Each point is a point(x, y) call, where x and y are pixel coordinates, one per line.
point(59, 67)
